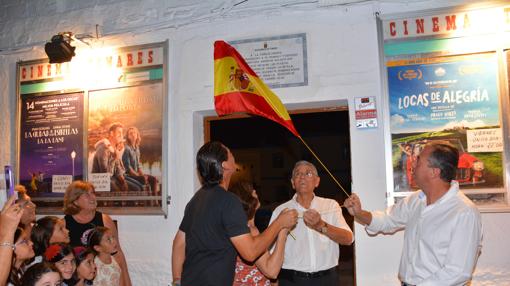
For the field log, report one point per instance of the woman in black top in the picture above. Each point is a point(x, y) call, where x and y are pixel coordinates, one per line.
point(80, 207)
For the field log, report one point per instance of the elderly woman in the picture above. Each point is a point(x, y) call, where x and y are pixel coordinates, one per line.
point(81, 215)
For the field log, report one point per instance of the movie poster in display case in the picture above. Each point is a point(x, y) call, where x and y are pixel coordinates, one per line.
point(65, 112)
point(133, 161)
point(453, 99)
point(51, 132)
point(445, 81)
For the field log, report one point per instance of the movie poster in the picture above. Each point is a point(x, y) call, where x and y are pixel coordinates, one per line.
point(51, 143)
point(454, 99)
point(124, 144)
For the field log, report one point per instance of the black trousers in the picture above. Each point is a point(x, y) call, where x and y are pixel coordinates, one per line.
point(295, 278)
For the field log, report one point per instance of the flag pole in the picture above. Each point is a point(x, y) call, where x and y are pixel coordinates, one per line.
point(324, 166)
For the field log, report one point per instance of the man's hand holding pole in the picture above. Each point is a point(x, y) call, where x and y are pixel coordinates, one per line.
point(353, 205)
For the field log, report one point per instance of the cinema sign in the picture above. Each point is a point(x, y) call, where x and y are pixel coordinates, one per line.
point(92, 62)
point(451, 24)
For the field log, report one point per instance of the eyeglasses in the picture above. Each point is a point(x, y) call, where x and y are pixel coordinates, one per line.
point(307, 174)
point(89, 194)
point(23, 241)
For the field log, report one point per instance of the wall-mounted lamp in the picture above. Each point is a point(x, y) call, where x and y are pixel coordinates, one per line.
point(59, 50)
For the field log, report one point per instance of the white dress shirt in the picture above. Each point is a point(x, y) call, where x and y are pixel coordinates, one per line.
point(312, 251)
point(441, 241)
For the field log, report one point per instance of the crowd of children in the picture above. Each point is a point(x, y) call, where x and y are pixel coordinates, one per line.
point(41, 254)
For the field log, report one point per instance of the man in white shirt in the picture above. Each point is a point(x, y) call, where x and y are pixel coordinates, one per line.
point(311, 255)
point(443, 229)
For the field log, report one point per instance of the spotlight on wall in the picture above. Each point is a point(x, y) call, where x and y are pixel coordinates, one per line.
point(59, 50)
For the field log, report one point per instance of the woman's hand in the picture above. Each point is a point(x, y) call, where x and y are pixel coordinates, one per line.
point(9, 218)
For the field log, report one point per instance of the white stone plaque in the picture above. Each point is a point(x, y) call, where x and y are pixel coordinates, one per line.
point(279, 61)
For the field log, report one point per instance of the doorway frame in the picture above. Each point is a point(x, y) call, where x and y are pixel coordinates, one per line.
point(207, 119)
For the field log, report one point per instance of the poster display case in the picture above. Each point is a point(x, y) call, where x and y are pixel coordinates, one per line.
point(445, 80)
point(98, 118)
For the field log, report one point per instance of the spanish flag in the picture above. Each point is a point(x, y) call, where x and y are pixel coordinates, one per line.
point(238, 89)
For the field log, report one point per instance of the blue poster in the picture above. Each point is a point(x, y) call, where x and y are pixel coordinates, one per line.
point(447, 99)
point(439, 96)
point(51, 140)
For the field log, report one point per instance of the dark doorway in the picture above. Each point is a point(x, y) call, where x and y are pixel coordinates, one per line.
point(266, 152)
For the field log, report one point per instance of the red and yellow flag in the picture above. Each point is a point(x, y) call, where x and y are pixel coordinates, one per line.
point(238, 89)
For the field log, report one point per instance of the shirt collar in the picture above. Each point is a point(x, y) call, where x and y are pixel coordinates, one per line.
point(454, 189)
point(294, 199)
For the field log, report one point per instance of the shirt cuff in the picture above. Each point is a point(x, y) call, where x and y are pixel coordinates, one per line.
point(376, 224)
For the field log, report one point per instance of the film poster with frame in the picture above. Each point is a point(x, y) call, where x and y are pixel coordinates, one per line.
point(64, 110)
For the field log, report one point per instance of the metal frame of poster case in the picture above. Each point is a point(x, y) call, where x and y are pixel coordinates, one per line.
point(419, 49)
point(131, 77)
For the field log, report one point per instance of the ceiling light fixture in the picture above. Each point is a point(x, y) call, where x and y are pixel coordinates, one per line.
point(59, 50)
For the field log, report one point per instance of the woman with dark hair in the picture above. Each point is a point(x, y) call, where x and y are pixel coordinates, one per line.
point(268, 265)
point(22, 253)
point(42, 274)
point(210, 164)
point(81, 215)
point(214, 228)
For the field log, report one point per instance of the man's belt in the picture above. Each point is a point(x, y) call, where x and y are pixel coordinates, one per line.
point(295, 273)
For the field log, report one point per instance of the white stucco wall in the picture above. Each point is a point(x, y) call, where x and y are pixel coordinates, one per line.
point(343, 62)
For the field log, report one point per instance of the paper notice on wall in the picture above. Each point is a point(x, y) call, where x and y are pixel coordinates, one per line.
point(485, 140)
point(101, 181)
point(365, 112)
point(59, 183)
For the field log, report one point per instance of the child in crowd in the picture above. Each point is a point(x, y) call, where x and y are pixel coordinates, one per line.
point(42, 274)
point(61, 255)
point(85, 266)
point(49, 229)
point(103, 243)
point(22, 253)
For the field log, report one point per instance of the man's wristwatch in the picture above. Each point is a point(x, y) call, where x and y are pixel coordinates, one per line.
point(324, 228)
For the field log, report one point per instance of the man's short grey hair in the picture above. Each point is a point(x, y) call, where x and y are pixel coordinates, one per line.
point(304, 162)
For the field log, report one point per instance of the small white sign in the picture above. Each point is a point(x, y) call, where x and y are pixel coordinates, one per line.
point(101, 181)
point(59, 183)
point(485, 140)
point(365, 112)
